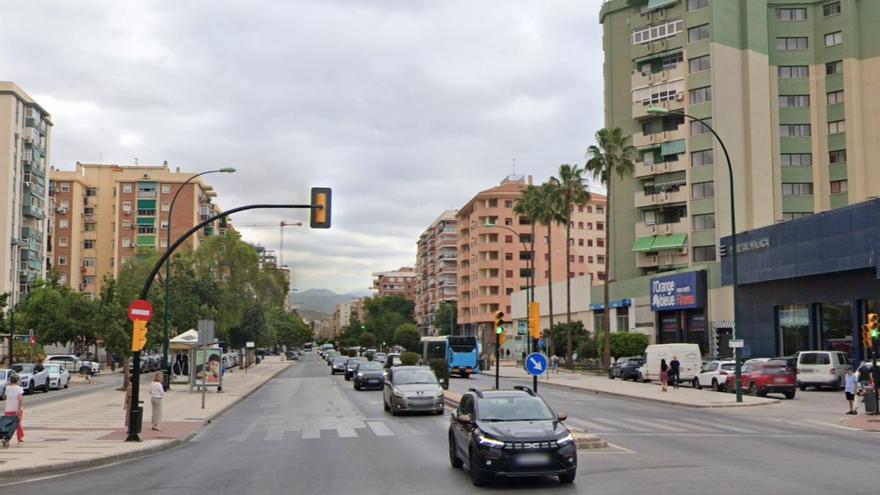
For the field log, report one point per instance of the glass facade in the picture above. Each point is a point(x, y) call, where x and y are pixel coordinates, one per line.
point(794, 327)
point(837, 325)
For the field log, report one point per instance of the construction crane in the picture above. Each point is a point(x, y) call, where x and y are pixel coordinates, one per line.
point(281, 226)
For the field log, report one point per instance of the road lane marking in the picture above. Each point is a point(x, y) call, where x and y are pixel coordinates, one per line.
point(653, 425)
point(275, 433)
point(379, 429)
point(720, 426)
point(823, 424)
point(245, 433)
point(345, 431)
point(590, 426)
point(311, 431)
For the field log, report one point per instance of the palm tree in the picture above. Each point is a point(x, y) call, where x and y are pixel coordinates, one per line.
point(574, 193)
point(528, 205)
point(612, 155)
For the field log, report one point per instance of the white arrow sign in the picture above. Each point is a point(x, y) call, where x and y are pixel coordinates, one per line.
point(536, 364)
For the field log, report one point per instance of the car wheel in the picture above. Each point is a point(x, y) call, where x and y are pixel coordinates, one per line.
point(453, 457)
point(839, 385)
point(356, 386)
point(697, 384)
point(567, 477)
point(802, 387)
point(753, 389)
point(385, 405)
point(789, 395)
point(715, 385)
point(465, 375)
point(478, 477)
point(45, 386)
point(67, 383)
point(610, 377)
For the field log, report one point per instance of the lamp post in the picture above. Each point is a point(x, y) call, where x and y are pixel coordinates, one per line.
point(165, 368)
point(738, 367)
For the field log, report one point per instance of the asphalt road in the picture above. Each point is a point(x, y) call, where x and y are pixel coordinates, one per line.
point(306, 432)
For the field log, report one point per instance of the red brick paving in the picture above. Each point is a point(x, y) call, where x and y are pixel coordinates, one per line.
point(170, 430)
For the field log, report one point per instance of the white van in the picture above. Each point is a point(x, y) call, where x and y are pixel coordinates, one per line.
point(822, 369)
point(688, 355)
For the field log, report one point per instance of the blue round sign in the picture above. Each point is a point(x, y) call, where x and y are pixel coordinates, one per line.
point(536, 363)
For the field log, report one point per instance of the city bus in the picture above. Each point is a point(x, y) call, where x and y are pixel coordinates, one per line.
point(462, 353)
point(307, 347)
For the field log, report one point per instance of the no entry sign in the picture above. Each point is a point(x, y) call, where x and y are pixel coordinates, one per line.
point(140, 310)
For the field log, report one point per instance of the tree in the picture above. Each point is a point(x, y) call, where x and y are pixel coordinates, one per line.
point(253, 328)
point(612, 155)
point(367, 340)
point(407, 336)
point(385, 314)
point(446, 318)
point(574, 193)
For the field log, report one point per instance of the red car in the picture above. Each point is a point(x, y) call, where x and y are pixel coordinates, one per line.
point(761, 378)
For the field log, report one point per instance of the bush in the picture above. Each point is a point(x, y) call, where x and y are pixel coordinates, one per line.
point(408, 336)
point(624, 344)
point(409, 359)
point(440, 367)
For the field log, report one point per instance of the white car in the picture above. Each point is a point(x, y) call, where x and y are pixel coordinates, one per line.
point(714, 374)
point(73, 364)
point(32, 377)
point(58, 376)
point(4, 379)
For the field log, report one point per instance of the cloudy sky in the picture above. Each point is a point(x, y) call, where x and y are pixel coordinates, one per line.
point(404, 107)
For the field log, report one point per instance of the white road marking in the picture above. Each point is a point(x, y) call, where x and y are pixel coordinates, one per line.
point(346, 431)
point(310, 431)
point(719, 425)
point(379, 429)
point(275, 433)
point(651, 424)
point(823, 424)
point(590, 426)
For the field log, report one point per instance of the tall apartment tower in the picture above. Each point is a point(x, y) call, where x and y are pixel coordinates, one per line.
point(791, 88)
point(104, 213)
point(25, 129)
point(493, 263)
point(400, 282)
point(436, 265)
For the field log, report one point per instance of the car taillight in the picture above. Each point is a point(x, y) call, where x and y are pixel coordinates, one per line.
point(723, 373)
point(832, 371)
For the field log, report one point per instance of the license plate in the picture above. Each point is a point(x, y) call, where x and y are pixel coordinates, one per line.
point(532, 459)
point(372, 381)
point(780, 380)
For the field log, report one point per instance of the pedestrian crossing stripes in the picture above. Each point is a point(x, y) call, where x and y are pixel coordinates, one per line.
point(343, 429)
point(671, 427)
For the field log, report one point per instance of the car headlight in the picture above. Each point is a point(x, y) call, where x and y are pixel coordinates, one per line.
point(399, 394)
point(565, 440)
point(489, 441)
point(360, 375)
point(439, 393)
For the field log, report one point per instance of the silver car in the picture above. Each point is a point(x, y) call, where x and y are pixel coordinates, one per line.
point(412, 388)
point(58, 376)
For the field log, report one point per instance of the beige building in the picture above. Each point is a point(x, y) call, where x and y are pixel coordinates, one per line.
point(103, 214)
point(436, 266)
point(25, 129)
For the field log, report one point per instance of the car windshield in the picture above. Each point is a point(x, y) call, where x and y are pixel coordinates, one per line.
point(728, 367)
point(2, 375)
point(514, 409)
point(23, 368)
point(339, 360)
point(370, 367)
point(775, 369)
point(411, 377)
point(53, 368)
point(355, 361)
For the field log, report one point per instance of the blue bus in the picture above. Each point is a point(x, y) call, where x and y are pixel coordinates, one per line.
point(462, 353)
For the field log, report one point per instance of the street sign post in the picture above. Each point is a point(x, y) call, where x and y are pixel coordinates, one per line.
point(140, 310)
point(536, 364)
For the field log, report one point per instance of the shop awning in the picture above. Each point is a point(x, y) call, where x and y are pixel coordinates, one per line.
point(674, 241)
point(643, 244)
point(658, 55)
point(672, 147)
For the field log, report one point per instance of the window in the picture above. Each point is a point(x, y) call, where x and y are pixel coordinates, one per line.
point(797, 14)
point(126, 187)
point(508, 239)
point(62, 241)
point(704, 253)
point(796, 159)
point(652, 33)
point(830, 9)
point(89, 262)
point(794, 72)
point(589, 259)
point(835, 97)
point(792, 44)
point(589, 243)
point(508, 203)
point(91, 191)
point(700, 158)
point(700, 95)
point(600, 242)
point(64, 204)
point(698, 33)
point(600, 226)
point(697, 4)
point(795, 215)
point(671, 61)
point(166, 188)
point(166, 206)
point(147, 213)
point(794, 130)
point(700, 127)
point(62, 260)
point(89, 244)
point(64, 187)
point(164, 225)
point(797, 189)
point(658, 93)
point(837, 127)
point(146, 229)
point(838, 186)
point(126, 242)
point(600, 259)
point(580, 242)
point(700, 64)
point(62, 223)
point(834, 68)
point(702, 190)
point(794, 101)
point(600, 210)
point(837, 156)
point(126, 206)
point(835, 38)
point(704, 222)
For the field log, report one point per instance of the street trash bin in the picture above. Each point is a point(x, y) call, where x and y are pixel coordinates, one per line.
point(870, 400)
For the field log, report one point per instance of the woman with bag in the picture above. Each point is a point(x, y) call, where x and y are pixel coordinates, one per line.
point(664, 374)
point(15, 405)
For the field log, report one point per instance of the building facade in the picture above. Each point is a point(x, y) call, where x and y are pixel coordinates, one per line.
point(25, 135)
point(401, 282)
point(102, 215)
point(790, 86)
point(436, 266)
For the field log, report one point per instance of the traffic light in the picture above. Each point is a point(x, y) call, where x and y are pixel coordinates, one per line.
point(320, 212)
point(866, 338)
point(139, 335)
point(535, 320)
point(499, 328)
point(873, 326)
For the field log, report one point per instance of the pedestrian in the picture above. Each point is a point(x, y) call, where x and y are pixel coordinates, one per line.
point(674, 371)
point(157, 393)
point(850, 389)
point(508, 353)
point(865, 377)
point(664, 374)
point(15, 405)
point(126, 403)
point(554, 364)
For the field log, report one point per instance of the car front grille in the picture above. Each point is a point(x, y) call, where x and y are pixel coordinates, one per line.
point(530, 446)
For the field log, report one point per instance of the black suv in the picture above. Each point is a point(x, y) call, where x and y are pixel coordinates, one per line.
point(626, 368)
point(510, 433)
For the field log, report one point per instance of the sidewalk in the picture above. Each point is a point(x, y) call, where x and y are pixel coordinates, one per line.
point(89, 429)
point(683, 396)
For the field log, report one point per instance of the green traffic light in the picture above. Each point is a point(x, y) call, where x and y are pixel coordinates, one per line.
point(499, 330)
point(875, 334)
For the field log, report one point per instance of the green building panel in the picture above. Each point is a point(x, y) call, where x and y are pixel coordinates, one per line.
point(701, 142)
point(834, 82)
point(797, 174)
point(700, 110)
point(699, 79)
point(146, 204)
point(794, 86)
point(146, 221)
point(702, 173)
point(698, 17)
point(699, 48)
point(797, 204)
point(701, 206)
point(839, 200)
point(837, 171)
point(836, 112)
point(836, 141)
point(146, 240)
point(703, 238)
point(795, 145)
point(794, 115)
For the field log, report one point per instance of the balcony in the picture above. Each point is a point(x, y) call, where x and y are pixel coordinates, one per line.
point(680, 227)
point(643, 170)
point(662, 259)
point(640, 109)
point(147, 194)
point(37, 124)
point(32, 211)
point(639, 79)
point(643, 200)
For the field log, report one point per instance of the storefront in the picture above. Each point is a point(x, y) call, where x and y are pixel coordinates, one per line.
point(679, 303)
point(807, 284)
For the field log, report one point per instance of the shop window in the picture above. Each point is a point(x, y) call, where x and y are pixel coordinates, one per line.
point(793, 324)
point(837, 326)
point(623, 319)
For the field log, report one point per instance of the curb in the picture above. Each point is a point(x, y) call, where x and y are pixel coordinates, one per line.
point(113, 458)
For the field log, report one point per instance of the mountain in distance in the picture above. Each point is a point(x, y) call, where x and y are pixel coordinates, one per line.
point(323, 300)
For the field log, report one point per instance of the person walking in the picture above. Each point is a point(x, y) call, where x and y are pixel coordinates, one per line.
point(157, 393)
point(15, 405)
point(664, 374)
point(851, 387)
point(674, 371)
point(554, 364)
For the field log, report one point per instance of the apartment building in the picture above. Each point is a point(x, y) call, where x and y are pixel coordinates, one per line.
point(400, 282)
point(25, 132)
point(494, 245)
point(436, 265)
point(103, 214)
point(790, 86)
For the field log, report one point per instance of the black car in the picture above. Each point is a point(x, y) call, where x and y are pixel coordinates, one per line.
point(351, 364)
point(337, 365)
point(369, 375)
point(510, 433)
point(626, 368)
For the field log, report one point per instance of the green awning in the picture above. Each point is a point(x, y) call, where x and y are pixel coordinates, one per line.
point(658, 55)
point(146, 221)
point(146, 204)
point(674, 241)
point(148, 240)
point(672, 148)
point(670, 178)
point(656, 4)
point(643, 244)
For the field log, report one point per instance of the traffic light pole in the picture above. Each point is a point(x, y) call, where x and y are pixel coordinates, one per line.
point(497, 359)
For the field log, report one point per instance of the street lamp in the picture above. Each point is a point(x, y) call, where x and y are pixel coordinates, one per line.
point(167, 371)
point(738, 369)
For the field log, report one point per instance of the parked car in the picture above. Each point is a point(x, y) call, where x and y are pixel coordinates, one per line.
point(688, 355)
point(822, 369)
point(764, 377)
point(74, 364)
point(329, 355)
point(626, 368)
point(510, 433)
point(369, 375)
point(714, 374)
point(32, 377)
point(4, 379)
point(392, 360)
point(412, 388)
point(58, 376)
point(338, 365)
point(380, 357)
point(351, 364)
